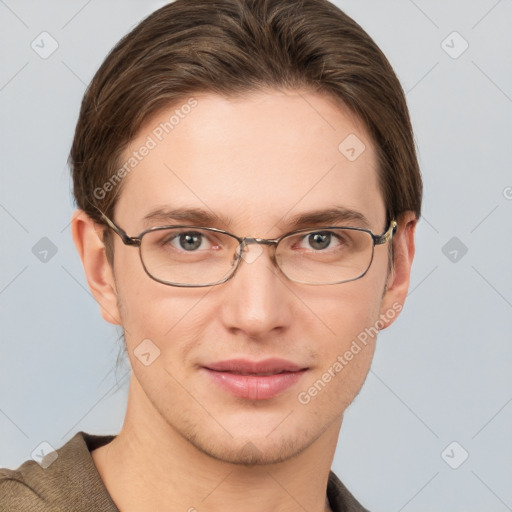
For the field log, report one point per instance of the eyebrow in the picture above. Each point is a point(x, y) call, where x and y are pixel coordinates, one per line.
point(195, 216)
point(200, 217)
point(330, 216)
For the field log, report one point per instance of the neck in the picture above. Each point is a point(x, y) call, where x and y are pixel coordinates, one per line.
point(150, 466)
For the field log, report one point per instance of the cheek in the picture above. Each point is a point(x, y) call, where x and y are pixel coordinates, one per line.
point(169, 316)
point(349, 318)
point(346, 352)
point(344, 311)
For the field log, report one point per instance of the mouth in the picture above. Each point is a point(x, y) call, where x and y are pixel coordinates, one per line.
point(255, 380)
point(256, 374)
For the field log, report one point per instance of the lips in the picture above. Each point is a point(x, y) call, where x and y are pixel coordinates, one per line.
point(255, 380)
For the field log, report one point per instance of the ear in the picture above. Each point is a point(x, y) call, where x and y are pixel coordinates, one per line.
point(397, 284)
point(87, 236)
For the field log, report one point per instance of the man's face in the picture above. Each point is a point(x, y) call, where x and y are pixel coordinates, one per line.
point(257, 161)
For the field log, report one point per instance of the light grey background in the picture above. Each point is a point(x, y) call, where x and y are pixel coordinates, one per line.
point(441, 373)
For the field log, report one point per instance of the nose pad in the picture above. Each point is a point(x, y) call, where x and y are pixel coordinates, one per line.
point(251, 255)
point(248, 255)
point(236, 256)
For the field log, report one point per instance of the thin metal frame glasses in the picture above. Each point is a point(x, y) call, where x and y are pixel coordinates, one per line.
point(137, 241)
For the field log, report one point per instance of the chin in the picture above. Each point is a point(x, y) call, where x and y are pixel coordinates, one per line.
point(255, 453)
point(252, 449)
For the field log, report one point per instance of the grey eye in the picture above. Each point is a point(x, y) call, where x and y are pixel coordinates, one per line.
point(190, 241)
point(319, 241)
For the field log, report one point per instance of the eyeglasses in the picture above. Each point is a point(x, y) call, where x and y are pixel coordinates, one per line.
point(191, 256)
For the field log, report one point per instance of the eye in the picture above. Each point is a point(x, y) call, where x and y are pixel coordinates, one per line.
point(189, 241)
point(321, 240)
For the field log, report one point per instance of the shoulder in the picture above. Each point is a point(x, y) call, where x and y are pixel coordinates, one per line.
point(340, 498)
point(22, 489)
point(64, 480)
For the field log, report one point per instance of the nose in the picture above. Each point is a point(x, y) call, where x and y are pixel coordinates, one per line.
point(257, 299)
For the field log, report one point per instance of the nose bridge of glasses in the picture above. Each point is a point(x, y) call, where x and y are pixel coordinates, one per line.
point(262, 241)
point(254, 254)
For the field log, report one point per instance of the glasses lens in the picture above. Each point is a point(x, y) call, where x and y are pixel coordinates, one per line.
point(188, 255)
point(325, 256)
point(194, 256)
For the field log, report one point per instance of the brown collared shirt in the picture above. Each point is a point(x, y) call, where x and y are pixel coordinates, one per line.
point(71, 483)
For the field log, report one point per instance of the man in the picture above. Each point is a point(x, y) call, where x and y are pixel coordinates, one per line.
point(247, 190)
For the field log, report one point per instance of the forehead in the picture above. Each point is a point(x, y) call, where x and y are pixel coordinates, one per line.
point(255, 160)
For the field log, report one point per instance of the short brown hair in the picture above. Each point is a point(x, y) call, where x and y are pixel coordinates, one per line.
point(231, 47)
